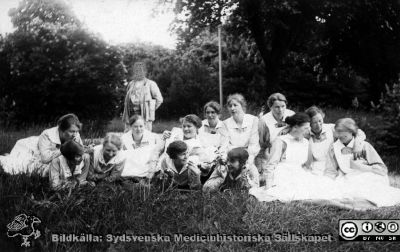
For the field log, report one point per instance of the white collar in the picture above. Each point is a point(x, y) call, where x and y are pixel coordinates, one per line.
point(171, 166)
point(324, 129)
point(247, 122)
point(291, 138)
point(219, 124)
point(145, 138)
point(270, 117)
point(54, 135)
point(341, 145)
point(99, 154)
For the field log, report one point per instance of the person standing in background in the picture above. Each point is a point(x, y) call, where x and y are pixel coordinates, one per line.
point(143, 97)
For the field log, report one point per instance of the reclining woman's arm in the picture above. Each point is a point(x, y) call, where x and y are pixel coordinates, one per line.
point(47, 150)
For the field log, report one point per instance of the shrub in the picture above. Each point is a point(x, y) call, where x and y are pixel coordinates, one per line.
point(388, 130)
point(51, 65)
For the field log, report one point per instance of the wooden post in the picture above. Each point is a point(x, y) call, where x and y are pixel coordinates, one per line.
point(221, 99)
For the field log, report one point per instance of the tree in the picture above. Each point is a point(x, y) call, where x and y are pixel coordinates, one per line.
point(361, 35)
point(387, 135)
point(275, 26)
point(56, 66)
point(32, 13)
point(365, 35)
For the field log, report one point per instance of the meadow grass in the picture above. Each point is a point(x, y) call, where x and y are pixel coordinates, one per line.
point(115, 209)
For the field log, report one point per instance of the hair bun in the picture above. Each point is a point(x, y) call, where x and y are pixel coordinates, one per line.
point(289, 120)
point(297, 119)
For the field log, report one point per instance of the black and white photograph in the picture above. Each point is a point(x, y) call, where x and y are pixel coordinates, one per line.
point(199, 125)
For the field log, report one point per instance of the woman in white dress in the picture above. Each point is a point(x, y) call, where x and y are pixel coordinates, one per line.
point(270, 125)
point(364, 179)
point(241, 128)
point(322, 136)
point(287, 173)
point(212, 133)
point(36, 153)
point(138, 145)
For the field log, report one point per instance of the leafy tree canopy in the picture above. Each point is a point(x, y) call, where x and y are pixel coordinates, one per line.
point(362, 34)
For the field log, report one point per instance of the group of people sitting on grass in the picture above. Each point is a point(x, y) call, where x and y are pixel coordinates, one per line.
point(279, 155)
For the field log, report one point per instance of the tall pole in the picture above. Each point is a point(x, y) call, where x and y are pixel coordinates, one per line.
point(220, 67)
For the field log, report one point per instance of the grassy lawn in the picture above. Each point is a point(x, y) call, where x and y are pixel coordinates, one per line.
point(117, 210)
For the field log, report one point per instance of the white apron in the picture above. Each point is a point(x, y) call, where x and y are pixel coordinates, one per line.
point(320, 149)
point(369, 186)
point(292, 181)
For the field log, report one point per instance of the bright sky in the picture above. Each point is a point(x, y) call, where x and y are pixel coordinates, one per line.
point(117, 21)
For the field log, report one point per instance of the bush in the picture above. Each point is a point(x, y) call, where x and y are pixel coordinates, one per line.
point(388, 130)
point(51, 66)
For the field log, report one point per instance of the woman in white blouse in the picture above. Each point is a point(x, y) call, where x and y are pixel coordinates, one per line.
point(107, 161)
point(270, 125)
point(286, 174)
point(363, 180)
point(275, 119)
point(212, 133)
point(322, 136)
point(138, 145)
point(138, 136)
point(241, 128)
point(36, 153)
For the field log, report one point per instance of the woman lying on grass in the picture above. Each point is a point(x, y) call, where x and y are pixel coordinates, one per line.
point(71, 168)
point(178, 168)
point(107, 162)
point(138, 136)
point(36, 153)
point(237, 173)
point(138, 145)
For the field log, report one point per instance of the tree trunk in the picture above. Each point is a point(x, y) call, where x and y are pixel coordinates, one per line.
point(252, 12)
